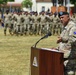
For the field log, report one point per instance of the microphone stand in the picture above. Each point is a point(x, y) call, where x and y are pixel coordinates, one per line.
point(37, 42)
point(40, 39)
point(49, 34)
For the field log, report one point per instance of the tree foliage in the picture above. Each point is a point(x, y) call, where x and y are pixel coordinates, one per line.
point(5, 1)
point(27, 3)
point(73, 2)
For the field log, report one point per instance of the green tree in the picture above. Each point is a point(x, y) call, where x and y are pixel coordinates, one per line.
point(5, 1)
point(73, 2)
point(27, 3)
point(2, 2)
point(11, 0)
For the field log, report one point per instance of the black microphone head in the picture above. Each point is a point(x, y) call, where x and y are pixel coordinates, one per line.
point(48, 34)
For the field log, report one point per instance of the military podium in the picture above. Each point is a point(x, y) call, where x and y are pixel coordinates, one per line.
point(46, 62)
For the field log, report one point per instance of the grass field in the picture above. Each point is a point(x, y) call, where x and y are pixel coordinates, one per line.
point(15, 52)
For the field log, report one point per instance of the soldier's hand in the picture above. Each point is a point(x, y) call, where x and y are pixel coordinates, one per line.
point(59, 40)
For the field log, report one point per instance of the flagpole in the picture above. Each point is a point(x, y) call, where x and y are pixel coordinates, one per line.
point(57, 6)
point(68, 6)
point(64, 3)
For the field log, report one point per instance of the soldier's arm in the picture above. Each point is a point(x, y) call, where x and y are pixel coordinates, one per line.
point(72, 34)
point(71, 37)
point(62, 39)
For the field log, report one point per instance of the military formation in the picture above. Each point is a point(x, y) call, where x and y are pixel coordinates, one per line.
point(25, 23)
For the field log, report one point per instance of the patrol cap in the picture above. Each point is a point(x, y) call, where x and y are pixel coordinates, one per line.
point(62, 13)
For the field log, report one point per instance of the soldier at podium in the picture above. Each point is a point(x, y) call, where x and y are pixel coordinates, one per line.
point(65, 40)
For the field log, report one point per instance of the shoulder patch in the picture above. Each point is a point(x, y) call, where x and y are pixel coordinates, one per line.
point(75, 32)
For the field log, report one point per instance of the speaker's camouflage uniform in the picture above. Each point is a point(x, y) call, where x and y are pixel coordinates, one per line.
point(68, 37)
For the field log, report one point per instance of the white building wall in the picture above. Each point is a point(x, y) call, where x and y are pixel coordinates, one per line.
point(47, 6)
point(18, 1)
point(37, 6)
point(34, 7)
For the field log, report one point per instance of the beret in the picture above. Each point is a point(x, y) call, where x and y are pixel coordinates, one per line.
point(62, 13)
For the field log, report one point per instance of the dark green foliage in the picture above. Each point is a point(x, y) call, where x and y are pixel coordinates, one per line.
point(73, 2)
point(5, 1)
point(27, 3)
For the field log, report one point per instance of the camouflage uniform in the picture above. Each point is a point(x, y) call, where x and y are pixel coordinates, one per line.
point(14, 23)
point(46, 24)
point(6, 22)
point(0, 19)
point(68, 37)
point(55, 24)
point(73, 18)
point(31, 24)
point(22, 22)
point(43, 23)
point(11, 27)
point(26, 23)
point(58, 26)
point(49, 23)
point(36, 23)
point(18, 26)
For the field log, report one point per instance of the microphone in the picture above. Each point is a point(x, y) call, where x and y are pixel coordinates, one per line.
point(45, 36)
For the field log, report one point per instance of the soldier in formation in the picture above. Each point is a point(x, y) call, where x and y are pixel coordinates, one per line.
point(25, 23)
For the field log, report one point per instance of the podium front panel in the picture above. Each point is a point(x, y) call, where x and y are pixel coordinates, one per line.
point(51, 63)
point(46, 62)
point(34, 61)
